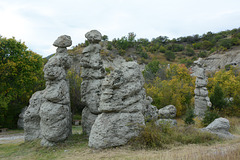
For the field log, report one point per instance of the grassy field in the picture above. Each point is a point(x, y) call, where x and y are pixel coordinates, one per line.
point(76, 148)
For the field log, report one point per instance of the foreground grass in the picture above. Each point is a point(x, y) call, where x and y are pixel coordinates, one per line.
point(76, 148)
point(79, 151)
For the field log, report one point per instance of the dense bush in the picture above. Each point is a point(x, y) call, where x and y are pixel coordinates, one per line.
point(163, 136)
point(189, 116)
point(209, 117)
point(170, 56)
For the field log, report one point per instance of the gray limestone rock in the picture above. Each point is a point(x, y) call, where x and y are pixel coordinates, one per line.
point(167, 112)
point(220, 127)
point(93, 74)
point(49, 114)
point(20, 122)
point(202, 100)
point(201, 104)
point(201, 92)
point(63, 41)
point(88, 119)
point(122, 103)
point(58, 92)
point(55, 112)
point(32, 117)
point(55, 121)
point(115, 129)
point(171, 122)
point(201, 82)
point(93, 36)
point(150, 112)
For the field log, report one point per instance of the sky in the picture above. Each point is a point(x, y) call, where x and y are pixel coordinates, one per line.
point(38, 23)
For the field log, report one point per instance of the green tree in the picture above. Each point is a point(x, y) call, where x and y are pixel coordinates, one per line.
point(151, 69)
point(75, 80)
point(105, 38)
point(21, 72)
point(217, 98)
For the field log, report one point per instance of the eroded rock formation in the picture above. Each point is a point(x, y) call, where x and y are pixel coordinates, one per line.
point(55, 112)
point(122, 102)
point(49, 114)
point(202, 100)
point(220, 127)
point(93, 74)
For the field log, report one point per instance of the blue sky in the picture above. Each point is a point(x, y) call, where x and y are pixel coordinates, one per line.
point(39, 22)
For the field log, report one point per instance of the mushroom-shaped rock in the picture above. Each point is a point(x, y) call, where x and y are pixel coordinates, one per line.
point(63, 41)
point(93, 36)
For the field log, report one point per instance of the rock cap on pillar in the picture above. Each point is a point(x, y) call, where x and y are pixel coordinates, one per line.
point(63, 41)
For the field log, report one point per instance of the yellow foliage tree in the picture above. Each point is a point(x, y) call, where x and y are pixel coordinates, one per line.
point(229, 81)
point(177, 90)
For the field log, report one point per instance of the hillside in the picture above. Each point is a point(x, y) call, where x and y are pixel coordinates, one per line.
point(183, 50)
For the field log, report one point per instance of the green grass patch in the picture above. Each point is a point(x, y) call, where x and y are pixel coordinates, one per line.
point(33, 150)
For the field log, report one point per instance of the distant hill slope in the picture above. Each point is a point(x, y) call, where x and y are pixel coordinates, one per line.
point(218, 61)
point(218, 49)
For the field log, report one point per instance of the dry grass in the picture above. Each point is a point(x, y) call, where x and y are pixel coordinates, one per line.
point(226, 151)
point(76, 148)
point(234, 125)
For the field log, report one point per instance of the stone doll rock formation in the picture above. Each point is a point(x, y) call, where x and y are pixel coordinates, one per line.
point(202, 100)
point(55, 112)
point(49, 115)
point(122, 103)
point(93, 74)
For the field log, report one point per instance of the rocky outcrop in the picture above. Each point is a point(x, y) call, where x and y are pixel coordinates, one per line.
point(220, 127)
point(49, 114)
point(150, 111)
point(167, 112)
point(122, 102)
point(219, 61)
point(202, 100)
point(93, 74)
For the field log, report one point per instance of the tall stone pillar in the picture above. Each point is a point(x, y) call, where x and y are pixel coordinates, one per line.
point(202, 100)
point(93, 74)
